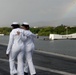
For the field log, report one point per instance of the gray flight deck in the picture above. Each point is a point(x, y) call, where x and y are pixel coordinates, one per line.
point(46, 64)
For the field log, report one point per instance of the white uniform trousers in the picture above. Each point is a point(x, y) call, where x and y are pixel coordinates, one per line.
point(18, 53)
point(29, 63)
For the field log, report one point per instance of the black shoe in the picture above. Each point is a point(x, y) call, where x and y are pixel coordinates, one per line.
point(34, 74)
point(25, 73)
point(15, 74)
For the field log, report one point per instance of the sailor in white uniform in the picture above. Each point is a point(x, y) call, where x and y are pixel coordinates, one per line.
point(15, 50)
point(29, 48)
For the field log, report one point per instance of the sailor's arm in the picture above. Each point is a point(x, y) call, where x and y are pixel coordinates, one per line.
point(11, 40)
point(29, 34)
point(34, 35)
point(23, 36)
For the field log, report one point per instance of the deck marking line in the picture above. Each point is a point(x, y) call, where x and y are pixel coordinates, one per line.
point(56, 54)
point(54, 71)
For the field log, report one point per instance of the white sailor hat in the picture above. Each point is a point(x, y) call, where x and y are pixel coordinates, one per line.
point(25, 23)
point(15, 23)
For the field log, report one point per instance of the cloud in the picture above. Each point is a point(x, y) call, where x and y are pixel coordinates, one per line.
point(32, 10)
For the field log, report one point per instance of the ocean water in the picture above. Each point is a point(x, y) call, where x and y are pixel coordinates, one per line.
point(66, 47)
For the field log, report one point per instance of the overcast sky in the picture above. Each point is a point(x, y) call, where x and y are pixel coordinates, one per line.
point(38, 12)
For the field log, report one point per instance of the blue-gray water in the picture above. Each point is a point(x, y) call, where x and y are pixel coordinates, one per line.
point(66, 47)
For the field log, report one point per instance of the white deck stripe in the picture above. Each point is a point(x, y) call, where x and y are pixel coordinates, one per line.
point(56, 54)
point(51, 53)
point(46, 69)
point(54, 71)
point(3, 44)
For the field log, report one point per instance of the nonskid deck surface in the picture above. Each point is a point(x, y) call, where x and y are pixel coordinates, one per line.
point(46, 64)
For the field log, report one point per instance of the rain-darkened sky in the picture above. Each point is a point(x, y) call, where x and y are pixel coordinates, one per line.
point(38, 12)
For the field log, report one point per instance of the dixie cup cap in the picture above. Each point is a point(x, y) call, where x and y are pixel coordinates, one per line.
point(15, 23)
point(25, 23)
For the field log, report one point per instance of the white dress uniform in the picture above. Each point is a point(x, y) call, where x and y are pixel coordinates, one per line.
point(15, 50)
point(29, 48)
